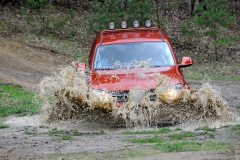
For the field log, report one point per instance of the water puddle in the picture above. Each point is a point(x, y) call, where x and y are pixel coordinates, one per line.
point(2, 120)
point(72, 124)
point(67, 101)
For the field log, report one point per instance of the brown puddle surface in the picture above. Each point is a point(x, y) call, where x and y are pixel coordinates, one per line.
point(66, 103)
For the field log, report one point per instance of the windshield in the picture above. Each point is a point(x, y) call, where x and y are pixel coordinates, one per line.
point(133, 55)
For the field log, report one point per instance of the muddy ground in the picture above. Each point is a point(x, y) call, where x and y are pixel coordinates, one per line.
point(27, 139)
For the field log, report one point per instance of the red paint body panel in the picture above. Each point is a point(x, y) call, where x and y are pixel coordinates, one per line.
point(134, 78)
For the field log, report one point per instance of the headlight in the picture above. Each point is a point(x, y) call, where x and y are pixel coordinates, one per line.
point(170, 94)
point(101, 99)
point(101, 95)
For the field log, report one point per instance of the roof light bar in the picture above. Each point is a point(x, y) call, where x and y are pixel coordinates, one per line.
point(136, 23)
point(123, 24)
point(148, 23)
point(111, 25)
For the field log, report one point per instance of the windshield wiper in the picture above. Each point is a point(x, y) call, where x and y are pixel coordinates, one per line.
point(105, 69)
point(157, 66)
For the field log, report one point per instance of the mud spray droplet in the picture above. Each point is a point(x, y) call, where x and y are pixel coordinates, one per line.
point(67, 96)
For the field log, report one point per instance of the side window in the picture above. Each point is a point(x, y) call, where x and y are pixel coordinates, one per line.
point(91, 52)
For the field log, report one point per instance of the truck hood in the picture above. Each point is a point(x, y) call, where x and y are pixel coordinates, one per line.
point(125, 79)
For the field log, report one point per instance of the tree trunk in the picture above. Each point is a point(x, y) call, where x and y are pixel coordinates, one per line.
point(189, 7)
point(158, 20)
point(215, 48)
point(215, 52)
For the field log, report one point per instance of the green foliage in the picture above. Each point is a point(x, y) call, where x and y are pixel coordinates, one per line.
point(172, 147)
point(210, 135)
point(155, 139)
point(55, 131)
point(162, 130)
point(206, 128)
point(236, 130)
point(57, 25)
point(188, 30)
point(67, 137)
point(214, 19)
point(181, 136)
point(102, 14)
point(178, 129)
point(3, 126)
point(193, 146)
point(35, 15)
point(15, 100)
point(34, 11)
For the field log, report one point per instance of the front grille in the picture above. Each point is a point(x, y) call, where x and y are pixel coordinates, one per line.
point(152, 95)
point(123, 96)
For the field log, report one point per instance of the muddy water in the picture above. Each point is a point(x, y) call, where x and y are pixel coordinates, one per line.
point(66, 97)
point(2, 120)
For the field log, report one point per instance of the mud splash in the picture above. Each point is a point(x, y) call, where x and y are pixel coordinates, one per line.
point(66, 96)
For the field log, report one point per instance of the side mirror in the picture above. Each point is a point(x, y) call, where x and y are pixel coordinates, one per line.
point(81, 66)
point(186, 61)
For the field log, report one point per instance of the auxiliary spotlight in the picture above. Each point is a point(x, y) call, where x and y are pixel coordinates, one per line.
point(123, 24)
point(148, 23)
point(111, 25)
point(136, 23)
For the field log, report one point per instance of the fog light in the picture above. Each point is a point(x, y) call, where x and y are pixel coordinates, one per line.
point(136, 23)
point(123, 24)
point(148, 23)
point(111, 25)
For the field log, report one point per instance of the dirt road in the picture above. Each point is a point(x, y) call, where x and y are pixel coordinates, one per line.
point(30, 138)
point(26, 66)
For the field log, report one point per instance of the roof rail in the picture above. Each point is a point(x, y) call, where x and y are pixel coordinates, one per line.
point(129, 30)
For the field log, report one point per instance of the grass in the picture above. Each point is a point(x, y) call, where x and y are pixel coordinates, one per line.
point(164, 146)
point(210, 135)
point(193, 146)
point(157, 131)
point(236, 128)
point(181, 136)
point(206, 128)
point(15, 100)
point(146, 150)
point(213, 71)
point(3, 126)
point(29, 133)
point(67, 137)
point(55, 132)
point(178, 129)
point(73, 132)
point(155, 139)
